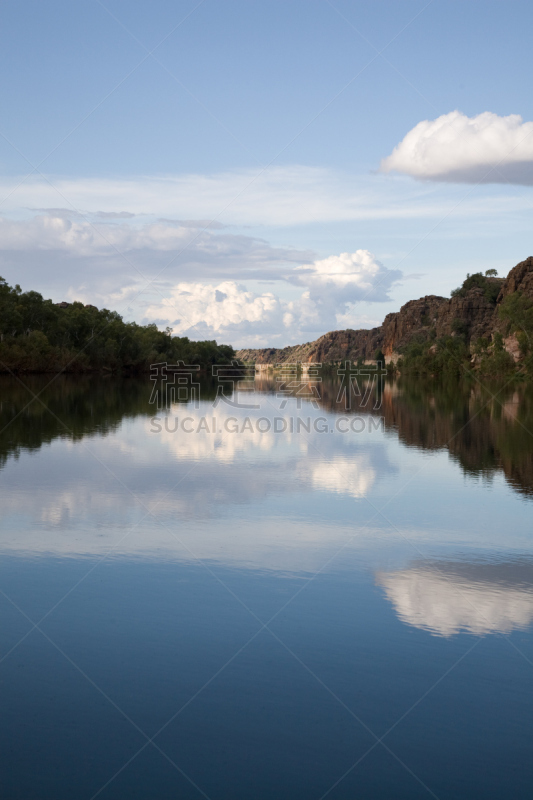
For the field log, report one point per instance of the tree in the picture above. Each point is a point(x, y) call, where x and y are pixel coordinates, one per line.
point(478, 281)
point(517, 310)
point(379, 358)
point(39, 336)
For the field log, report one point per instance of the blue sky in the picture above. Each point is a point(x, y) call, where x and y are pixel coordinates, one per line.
point(205, 164)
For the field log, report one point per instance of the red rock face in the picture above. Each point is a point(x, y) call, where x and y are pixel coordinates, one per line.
point(474, 311)
point(472, 315)
point(415, 317)
point(520, 279)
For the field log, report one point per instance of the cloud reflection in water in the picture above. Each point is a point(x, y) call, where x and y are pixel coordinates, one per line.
point(449, 597)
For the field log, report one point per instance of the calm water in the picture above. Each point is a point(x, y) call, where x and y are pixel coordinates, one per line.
point(243, 614)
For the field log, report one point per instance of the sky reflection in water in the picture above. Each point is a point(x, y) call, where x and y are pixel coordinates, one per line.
point(350, 541)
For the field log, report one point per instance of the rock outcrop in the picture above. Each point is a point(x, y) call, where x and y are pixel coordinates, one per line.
point(414, 318)
point(520, 279)
point(470, 313)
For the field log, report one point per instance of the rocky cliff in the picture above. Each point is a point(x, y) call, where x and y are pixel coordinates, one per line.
point(472, 313)
point(520, 279)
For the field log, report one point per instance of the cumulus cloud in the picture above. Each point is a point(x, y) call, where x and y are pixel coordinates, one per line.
point(335, 284)
point(201, 276)
point(229, 311)
point(460, 149)
point(349, 277)
point(226, 309)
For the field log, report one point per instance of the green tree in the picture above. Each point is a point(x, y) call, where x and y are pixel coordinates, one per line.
point(379, 358)
point(37, 335)
point(517, 311)
point(491, 289)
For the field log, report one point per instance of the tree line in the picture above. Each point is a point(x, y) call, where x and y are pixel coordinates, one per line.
point(37, 335)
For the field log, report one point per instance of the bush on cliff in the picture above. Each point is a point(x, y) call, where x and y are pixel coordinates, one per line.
point(491, 287)
point(496, 362)
point(447, 357)
point(517, 311)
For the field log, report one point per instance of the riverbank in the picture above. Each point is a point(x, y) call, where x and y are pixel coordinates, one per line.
point(39, 336)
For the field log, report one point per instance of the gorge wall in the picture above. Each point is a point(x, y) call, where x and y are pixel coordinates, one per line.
point(471, 314)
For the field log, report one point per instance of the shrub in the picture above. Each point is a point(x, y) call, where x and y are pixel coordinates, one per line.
point(478, 280)
point(379, 358)
point(517, 311)
point(447, 357)
point(460, 327)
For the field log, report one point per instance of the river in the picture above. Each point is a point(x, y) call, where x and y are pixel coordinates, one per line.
point(263, 594)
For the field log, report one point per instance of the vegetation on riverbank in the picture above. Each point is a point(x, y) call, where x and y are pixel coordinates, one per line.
point(37, 335)
point(455, 355)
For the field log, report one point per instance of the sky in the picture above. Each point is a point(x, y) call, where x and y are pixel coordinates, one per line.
point(260, 173)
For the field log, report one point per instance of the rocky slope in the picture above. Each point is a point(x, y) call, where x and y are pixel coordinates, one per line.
point(471, 314)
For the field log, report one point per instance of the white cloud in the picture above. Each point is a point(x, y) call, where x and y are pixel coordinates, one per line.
point(349, 277)
point(335, 284)
point(229, 312)
point(106, 263)
point(456, 148)
point(201, 276)
point(217, 310)
point(53, 231)
point(278, 196)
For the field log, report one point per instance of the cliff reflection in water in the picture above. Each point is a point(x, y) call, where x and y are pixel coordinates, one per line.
point(485, 430)
point(485, 433)
point(447, 597)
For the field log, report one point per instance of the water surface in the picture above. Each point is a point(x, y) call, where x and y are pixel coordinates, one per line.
point(236, 612)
